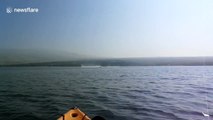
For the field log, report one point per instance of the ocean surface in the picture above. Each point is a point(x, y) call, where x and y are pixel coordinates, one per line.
point(116, 93)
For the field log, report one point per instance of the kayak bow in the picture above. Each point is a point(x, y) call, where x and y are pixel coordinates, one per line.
point(74, 114)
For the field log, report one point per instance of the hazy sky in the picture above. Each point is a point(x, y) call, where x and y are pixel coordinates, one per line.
point(111, 28)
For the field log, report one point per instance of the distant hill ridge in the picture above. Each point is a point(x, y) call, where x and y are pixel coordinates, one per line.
point(30, 57)
point(161, 61)
point(23, 56)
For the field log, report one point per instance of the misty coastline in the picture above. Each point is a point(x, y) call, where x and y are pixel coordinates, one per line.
point(158, 61)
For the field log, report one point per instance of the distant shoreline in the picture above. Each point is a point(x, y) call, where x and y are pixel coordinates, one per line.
point(9, 66)
point(178, 61)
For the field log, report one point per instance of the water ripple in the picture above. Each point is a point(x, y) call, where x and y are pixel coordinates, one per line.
point(117, 93)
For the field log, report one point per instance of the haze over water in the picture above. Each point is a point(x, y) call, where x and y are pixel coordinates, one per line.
point(68, 30)
point(108, 28)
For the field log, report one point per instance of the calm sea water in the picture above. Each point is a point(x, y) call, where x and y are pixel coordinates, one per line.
point(117, 93)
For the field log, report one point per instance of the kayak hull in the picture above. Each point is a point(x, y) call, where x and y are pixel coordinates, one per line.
point(74, 114)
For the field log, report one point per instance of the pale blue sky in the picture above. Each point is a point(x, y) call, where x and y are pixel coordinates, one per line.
point(111, 28)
